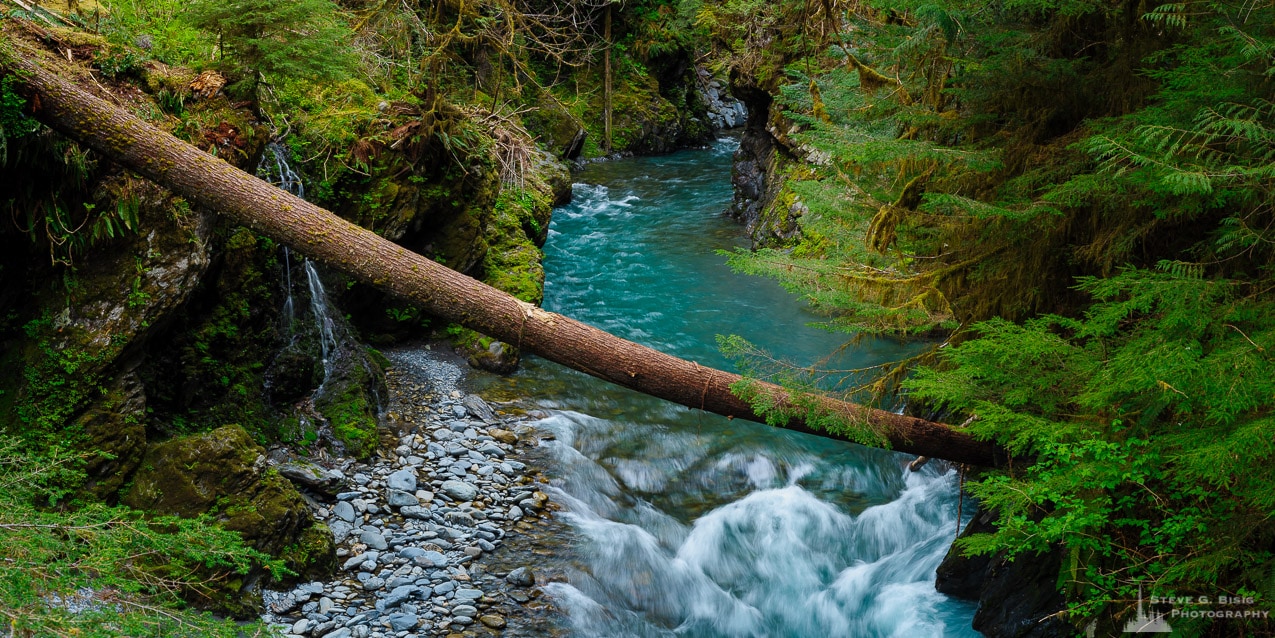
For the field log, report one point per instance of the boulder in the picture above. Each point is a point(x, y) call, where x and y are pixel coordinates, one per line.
point(223, 473)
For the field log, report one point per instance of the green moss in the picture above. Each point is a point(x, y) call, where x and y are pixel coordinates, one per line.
point(313, 555)
point(221, 344)
point(62, 375)
point(349, 405)
point(513, 262)
point(223, 473)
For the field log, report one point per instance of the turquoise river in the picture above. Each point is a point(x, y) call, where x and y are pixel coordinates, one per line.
point(682, 523)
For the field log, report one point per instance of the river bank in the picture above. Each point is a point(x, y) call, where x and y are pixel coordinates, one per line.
point(416, 527)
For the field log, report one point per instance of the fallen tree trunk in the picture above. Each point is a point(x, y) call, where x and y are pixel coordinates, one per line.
point(210, 182)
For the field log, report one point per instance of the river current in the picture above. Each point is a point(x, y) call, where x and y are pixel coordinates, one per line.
point(683, 523)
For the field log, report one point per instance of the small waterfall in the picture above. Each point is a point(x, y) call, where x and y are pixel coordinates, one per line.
point(323, 321)
point(282, 175)
point(289, 314)
point(344, 368)
point(274, 168)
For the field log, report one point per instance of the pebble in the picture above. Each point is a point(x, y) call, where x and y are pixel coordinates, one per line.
point(344, 511)
point(521, 577)
point(492, 620)
point(459, 490)
point(410, 525)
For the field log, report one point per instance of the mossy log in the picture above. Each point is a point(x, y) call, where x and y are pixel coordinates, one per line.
point(320, 235)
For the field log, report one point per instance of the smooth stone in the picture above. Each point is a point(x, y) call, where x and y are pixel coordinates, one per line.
point(340, 530)
point(459, 490)
point(344, 511)
point(504, 436)
point(521, 577)
point(374, 540)
point(465, 610)
point(444, 587)
point(491, 449)
point(492, 620)
point(301, 627)
point(468, 594)
point(403, 622)
point(325, 605)
point(399, 498)
point(415, 511)
point(410, 552)
point(400, 594)
point(403, 480)
point(343, 632)
point(374, 583)
point(431, 558)
point(515, 513)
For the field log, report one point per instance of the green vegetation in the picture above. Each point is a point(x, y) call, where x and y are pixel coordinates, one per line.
point(1076, 201)
point(96, 570)
point(268, 42)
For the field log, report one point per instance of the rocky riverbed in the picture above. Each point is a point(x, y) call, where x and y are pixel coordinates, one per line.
point(415, 527)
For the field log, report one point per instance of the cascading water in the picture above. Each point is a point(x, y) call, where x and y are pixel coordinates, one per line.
point(348, 375)
point(323, 322)
point(274, 167)
point(289, 313)
point(688, 524)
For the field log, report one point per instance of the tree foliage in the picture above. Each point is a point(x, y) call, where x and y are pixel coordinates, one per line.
point(275, 41)
point(1078, 198)
point(99, 570)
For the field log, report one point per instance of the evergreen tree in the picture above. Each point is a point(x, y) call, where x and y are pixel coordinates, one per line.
point(1079, 198)
point(263, 41)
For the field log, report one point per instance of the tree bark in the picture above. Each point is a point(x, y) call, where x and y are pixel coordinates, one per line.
point(321, 235)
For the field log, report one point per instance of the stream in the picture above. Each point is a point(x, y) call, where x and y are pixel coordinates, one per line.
point(683, 523)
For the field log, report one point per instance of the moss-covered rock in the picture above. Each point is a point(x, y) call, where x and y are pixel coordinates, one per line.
point(557, 129)
point(211, 368)
point(115, 436)
point(223, 473)
point(350, 401)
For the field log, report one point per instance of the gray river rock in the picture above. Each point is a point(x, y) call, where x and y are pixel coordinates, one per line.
point(408, 560)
